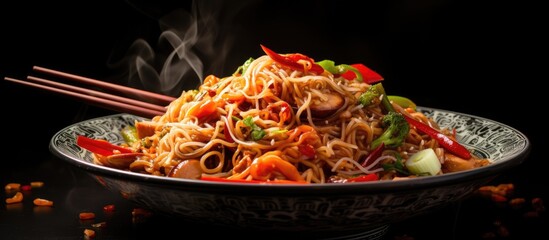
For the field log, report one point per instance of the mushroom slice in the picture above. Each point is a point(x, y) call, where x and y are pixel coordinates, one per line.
point(189, 169)
point(324, 108)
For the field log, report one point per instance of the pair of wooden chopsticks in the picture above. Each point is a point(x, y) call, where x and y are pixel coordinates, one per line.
point(101, 99)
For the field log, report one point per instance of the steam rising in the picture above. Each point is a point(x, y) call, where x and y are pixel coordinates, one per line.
point(191, 45)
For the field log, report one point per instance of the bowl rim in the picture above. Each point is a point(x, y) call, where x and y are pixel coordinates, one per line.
point(448, 179)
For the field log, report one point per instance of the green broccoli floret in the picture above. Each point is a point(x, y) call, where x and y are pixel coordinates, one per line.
point(372, 96)
point(396, 130)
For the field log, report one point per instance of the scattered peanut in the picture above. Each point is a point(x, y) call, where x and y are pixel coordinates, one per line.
point(89, 233)
point(498, 198)
point(501, 196)
point(12, 187)
point(517, 203)
point(37, 184)
point(42, 202)
point(86, 215)
point(18, 197)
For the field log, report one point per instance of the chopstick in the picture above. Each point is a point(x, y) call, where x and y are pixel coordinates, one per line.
point(123, 89)
point(101, 99)
point(102, 102)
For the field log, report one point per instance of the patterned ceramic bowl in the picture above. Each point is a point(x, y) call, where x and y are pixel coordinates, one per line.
point(360, 210)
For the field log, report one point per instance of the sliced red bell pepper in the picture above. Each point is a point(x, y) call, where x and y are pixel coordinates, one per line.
point(364, 178)
point(101, 147)
point(203, 109)
point(368, 75)
point(292, 61)
point(445, 141)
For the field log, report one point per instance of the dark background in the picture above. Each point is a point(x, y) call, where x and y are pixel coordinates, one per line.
point(478, 57)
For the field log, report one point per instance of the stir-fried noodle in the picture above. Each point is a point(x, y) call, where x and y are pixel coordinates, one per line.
point(271, 122)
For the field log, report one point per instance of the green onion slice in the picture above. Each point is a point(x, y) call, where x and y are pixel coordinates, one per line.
point(424, 162)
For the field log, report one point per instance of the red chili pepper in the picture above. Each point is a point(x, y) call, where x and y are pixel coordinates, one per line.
point(374, 154)
point(368, 75)
point(101, 147)
point(364, 178)
point(445, 141)
point(292, 61)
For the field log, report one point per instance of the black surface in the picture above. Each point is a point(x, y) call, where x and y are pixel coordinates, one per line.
point(476, 57)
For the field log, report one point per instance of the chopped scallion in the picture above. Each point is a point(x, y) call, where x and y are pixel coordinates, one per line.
point(424, 162)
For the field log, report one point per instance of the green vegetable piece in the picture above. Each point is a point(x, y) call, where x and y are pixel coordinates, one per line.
point(249, 121)
point(330, 66)
point(402, 101)
point(398, 166)
point(424, 162)
point(375, 92)
point(129, 133)
point(368, 97)
point(257, 133)
point(396, 130)
point(242, 69)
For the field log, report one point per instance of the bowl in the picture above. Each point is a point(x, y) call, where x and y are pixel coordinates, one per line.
point(362, 210)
